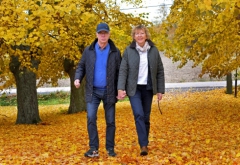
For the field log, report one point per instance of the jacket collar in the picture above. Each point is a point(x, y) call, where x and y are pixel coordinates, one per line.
point(112, 45)
point(133, 44)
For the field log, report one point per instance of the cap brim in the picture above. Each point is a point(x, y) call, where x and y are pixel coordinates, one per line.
point(102, 30)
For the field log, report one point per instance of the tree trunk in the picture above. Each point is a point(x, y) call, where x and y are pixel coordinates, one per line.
point(229, 83)
point(27, 101)
point(236, 85)
point(77, 100)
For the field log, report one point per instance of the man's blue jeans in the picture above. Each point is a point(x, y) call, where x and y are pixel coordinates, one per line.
point(141, 104)
point(92, 108)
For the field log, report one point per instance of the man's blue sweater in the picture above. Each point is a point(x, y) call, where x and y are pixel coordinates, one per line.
point(100, 69)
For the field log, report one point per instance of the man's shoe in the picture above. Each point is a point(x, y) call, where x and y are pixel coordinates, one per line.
point(111, 152)
point(92, 152)
point(144, 151)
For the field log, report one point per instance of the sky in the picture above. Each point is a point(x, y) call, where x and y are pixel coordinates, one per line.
point(150, 6)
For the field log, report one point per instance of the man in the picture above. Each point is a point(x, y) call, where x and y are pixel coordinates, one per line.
point(100, 63)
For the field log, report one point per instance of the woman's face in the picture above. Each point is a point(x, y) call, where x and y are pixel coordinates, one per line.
point(140, 37)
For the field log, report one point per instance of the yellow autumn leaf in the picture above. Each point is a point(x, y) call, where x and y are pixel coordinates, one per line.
point(208, 141)
point(208, 4)
point(43, 27)
point(238, 155)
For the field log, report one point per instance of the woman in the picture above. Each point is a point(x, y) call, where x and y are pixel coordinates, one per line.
point(141, 76)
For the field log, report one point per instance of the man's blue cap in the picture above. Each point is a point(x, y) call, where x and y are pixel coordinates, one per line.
point(102, 27)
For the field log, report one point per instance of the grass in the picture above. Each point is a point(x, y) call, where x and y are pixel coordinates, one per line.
point(43, 99)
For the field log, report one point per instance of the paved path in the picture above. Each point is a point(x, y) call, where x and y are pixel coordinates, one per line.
point(169, 86)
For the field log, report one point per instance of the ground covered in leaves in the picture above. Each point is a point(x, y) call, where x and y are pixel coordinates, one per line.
point(195, 128)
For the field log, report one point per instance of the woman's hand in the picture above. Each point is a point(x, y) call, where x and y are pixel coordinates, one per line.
point(159, 96)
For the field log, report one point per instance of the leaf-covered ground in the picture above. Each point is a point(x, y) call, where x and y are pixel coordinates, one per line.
point(195, 128)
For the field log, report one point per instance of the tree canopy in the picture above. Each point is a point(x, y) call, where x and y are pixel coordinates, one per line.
point(54, 30)
point(206, 32)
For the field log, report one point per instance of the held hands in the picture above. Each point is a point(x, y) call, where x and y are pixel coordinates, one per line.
point(77, 83)
point(121, 94)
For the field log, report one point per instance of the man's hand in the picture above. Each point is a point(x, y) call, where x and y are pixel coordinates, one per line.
point(77, 83)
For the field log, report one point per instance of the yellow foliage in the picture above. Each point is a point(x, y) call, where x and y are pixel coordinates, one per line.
point(195, 128)
point(55, 30)
point(205, 32)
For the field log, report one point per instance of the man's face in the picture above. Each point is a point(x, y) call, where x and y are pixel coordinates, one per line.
point(103, 36)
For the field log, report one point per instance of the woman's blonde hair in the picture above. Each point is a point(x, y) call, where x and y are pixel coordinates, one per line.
point(140, 27)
